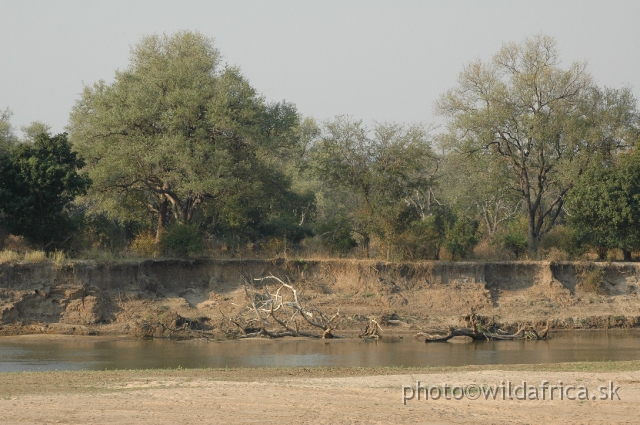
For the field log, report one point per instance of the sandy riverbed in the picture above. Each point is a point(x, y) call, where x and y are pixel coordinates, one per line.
point(270, 396)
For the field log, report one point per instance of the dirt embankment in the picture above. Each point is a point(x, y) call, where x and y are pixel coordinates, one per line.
point(123, 298)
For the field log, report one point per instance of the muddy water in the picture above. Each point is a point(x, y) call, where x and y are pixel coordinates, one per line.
point(36, 354)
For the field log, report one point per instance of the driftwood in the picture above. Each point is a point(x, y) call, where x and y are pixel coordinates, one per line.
point(477, 331)
point(287, 312)
point(372, 331)
point(176, 327)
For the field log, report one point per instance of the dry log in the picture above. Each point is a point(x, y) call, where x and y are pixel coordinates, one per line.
point(478, 332)
point(284, 307)
point(372, 330)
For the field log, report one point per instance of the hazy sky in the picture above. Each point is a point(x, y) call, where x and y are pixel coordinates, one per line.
point(375, 60)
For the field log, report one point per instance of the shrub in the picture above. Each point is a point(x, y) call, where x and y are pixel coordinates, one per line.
point(337, 235)
point(461, 237)
point(182, 240)
point(562, 238)
point(145, 245)
point(514, 237)
point(423, 238)
point(592, 280)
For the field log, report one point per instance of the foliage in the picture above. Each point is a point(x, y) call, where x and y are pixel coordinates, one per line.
point(461, 237)
point(58, 257)
point(37, 182)
point(182, 240)
point(377, 172)
point(34, 130)
point(562, 238)
point(7, 138)
point(478, 186)
point(337, 235)
point(176, 131)
point(422, 239)
point(144, 245)
point(514, 237)
point(539, 122)
point(99, 232)
point(605, 205)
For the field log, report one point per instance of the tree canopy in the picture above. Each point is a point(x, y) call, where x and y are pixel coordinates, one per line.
point(605, 204)
point(37, 181)
point(175, 130)
point(538, 121)
point(185, 155)
point(379, 172)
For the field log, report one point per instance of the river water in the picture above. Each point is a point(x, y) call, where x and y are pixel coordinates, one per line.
point(87, 353)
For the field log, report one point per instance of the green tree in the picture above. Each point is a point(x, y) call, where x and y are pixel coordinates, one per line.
point(376, 172)
point(540, 122)
point(176, 131)
point(461, 236)
point(478, 186)
point(37, 182)
point(34, 130)
point(604, 207)
point(7, 138)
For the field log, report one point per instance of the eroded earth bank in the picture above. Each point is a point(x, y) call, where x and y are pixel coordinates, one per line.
point(159, 297)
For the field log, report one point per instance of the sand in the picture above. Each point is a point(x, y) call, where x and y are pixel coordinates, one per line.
point(331, 396)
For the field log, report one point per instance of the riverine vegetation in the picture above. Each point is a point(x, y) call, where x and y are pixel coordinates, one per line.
point(181, 156)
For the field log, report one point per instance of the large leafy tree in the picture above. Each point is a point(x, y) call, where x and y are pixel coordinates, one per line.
point(375, 173)
point(539, 122)
point(37, 182)
point(604, 206)
point(175, 131)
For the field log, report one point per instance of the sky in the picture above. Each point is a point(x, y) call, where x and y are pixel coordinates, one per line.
point(378, 61)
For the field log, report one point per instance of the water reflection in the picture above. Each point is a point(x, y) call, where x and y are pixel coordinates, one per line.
point(31, 354)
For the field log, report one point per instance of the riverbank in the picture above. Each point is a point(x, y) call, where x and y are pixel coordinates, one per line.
point(313, 395)
point(154, 298)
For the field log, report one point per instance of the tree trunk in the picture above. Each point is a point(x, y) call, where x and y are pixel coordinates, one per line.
point(627, 255)
point(162, 214)
point(366, 241)
point(532, 236)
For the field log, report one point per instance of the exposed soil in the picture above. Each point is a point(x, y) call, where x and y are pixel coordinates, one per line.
point(332, 396)
point(154, 298)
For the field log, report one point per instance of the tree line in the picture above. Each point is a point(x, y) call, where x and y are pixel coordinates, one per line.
point(180, 154)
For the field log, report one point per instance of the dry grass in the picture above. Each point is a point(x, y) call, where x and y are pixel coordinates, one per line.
point(145, 245)
point(556, 255)
point(58, 257)
point(35, 256)
point(592, 280)
point(9, 256)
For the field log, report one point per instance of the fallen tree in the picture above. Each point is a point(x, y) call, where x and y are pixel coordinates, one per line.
point(281, 313)
point(372, 331)
point(478, 330)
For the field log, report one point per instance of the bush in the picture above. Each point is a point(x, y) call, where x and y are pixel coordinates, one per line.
point(337, 236)
point(182, 240)
point(514, 237)
point(422, 239)
point(145, 245)
point(592, 280)
point(100, 233)
point(461, 237)
point(562, 238)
